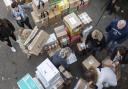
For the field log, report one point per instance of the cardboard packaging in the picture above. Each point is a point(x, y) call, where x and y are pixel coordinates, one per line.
point(74, 3)
point(85, 18)
point(48, 74)
point(27, 82)
point(38, 42)
point(63, 5)
point(82, 84)
point(57, 14)
point(62, 35)
point(60, 31)
point(31, 36)
point(51, 19)
point(36, 19)
point(73, 23)
point(90, 62)
point(40, 8)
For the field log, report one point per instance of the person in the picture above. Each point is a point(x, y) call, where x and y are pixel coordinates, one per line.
point(117, 32)
point(7, 30)
point(64, 57)
point(111, 5)
point(120, 54)
point(100, 78)
point(95, 41)
point(20, 15)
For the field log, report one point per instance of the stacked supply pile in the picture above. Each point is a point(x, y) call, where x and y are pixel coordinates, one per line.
point(62, 35)
point(35, 41)
point(85, 18)
point(49, 75)
point(73, 24)
point(54, 15)
point(52, 45)
point(40, 12)
point(27, 82)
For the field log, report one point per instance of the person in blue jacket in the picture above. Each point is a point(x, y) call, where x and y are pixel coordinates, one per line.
point(117, 31)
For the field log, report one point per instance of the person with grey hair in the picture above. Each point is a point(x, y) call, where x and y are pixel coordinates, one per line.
point(117, 31)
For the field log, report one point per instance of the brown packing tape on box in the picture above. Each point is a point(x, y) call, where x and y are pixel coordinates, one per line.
point(38, 42)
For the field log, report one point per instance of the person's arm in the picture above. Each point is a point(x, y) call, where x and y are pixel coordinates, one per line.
point(103, 43)
point(11, 26)
point(88, 38)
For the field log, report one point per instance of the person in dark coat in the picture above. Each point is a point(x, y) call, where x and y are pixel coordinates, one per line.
point(117, 31)
point(110, 6)
point(95, 41)
point(20, 15)
point(120, 54)
point(7, 30)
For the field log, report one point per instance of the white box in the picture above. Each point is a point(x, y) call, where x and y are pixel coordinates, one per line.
point(48, 74)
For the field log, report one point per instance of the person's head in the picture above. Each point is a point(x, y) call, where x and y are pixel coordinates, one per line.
point(91, 76)
point(121, 24)
point(97, 35)
point(14, 5)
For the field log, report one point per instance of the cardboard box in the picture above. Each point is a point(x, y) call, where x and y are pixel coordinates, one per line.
point(85, 18)
point(57, 14)
point(42, 8)
point(60, 31)
point(82, 84)
point(27, 83)
point(52, 19)
point(63, 5)
point(74, 3)
point(31, 36)
point(48, 74)
point(90, 62)
point(73, 23)
point(38, 42)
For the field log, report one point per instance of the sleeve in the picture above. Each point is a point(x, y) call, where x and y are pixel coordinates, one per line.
point(108, 28)
point(88, 38)
point(103, 43)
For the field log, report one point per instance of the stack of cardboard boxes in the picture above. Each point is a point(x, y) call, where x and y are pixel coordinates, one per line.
point(85, 18)
point(73, 24)
point(40, 12)
point(52, 45)
point(62, 35)
point(54, 16)
point(49, 75)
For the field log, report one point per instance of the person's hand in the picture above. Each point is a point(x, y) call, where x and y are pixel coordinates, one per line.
point(18, 18)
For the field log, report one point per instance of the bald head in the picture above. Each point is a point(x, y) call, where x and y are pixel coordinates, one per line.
point(121, 24)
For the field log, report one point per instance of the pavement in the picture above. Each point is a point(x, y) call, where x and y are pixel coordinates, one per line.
point(14, 66)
